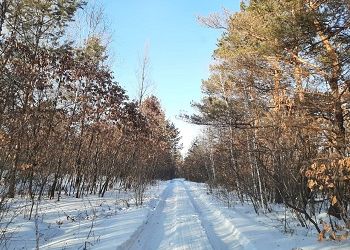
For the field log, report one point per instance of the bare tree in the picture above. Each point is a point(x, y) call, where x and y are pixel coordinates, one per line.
point(143, 75)
point(215, 20)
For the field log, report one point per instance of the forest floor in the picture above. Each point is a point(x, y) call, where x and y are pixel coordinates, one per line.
point(176, 214)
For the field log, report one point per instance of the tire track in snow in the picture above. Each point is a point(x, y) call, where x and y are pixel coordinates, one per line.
point(174, 224)
point(215, 241)
point(185, 219)
point(189, 232)
point(220, 231)
point(145, 234)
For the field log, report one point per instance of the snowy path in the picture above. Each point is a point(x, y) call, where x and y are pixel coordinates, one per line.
point(177, 214)
point(182, 220)
point(186, 217)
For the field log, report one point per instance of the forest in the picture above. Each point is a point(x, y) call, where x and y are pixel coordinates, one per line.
point(274, 115)
point(66, 125)
point(276, 109)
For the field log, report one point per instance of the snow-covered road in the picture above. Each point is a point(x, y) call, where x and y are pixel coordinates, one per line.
point(184, 220)
point(177, 214)
point(186, 217)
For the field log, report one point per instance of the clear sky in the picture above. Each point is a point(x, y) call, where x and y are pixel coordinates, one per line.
point(180, 49)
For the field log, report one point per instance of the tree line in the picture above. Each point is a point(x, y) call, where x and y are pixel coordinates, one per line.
point(66, 125)
point(276, 108)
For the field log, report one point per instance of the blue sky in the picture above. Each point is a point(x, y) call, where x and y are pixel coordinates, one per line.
point(180, 49)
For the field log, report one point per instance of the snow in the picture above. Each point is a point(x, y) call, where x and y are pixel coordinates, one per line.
point(91, 222)
point(177, 214)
